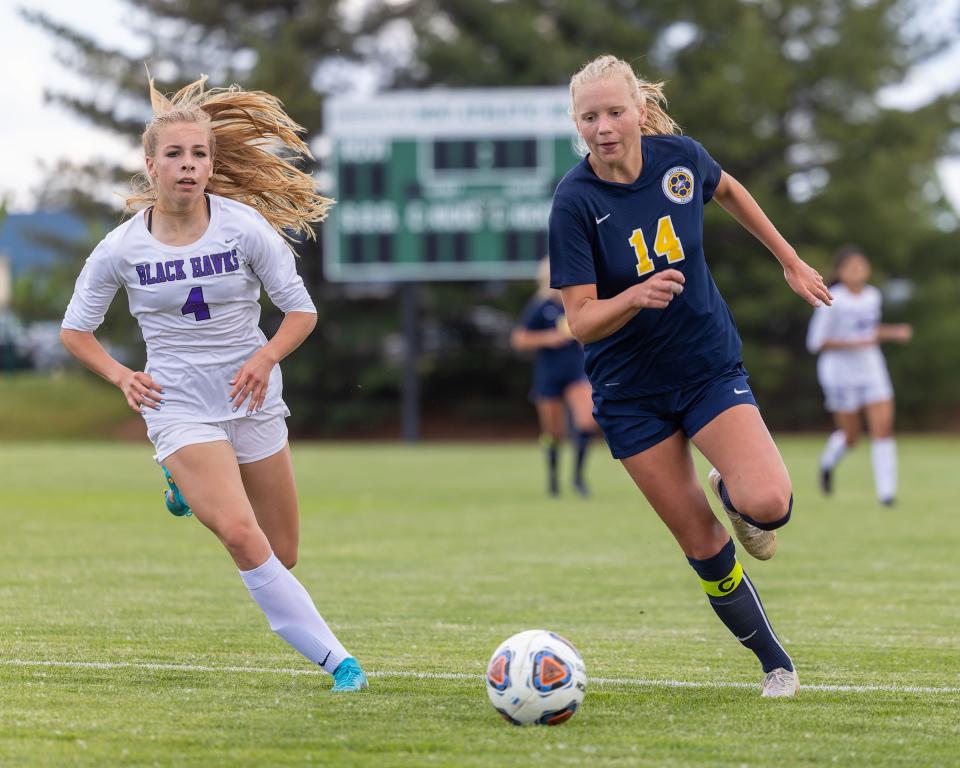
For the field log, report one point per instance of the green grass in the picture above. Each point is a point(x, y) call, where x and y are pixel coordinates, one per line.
point(68, 406)
point(423, 560)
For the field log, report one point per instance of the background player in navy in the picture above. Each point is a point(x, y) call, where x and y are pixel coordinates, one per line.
point(558, 378)
point(661, 348)
point(846, 337)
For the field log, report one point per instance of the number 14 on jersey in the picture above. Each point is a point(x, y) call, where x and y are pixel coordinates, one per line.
point(666, 243)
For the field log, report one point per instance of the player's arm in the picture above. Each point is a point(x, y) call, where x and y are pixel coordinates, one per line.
point(254, 375)
point(138, 387)
point(592, 319)
point(830, 344)
point(524, 340)
point(806, 282)
point(899, 332)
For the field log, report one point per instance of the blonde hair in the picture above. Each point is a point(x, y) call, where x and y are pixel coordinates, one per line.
point(254, 145)
point(645, 94)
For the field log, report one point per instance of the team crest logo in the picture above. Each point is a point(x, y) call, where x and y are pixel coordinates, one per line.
point(678, 184)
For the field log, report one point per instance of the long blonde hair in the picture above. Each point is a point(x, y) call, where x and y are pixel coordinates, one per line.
point(645, 94)
point(254, 145)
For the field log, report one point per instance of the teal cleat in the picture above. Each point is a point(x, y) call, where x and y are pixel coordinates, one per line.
point(176, 505)
point(348, 676)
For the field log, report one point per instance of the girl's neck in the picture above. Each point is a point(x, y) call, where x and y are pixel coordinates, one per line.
point(625, 171)
point(173, 226)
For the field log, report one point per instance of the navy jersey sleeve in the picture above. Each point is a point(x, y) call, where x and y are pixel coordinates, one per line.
point(708, 168)
point(571, 254)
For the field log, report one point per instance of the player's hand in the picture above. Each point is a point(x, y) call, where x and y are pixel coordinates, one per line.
point(659, 290)
point(250, 384)
point(807, 283)
point(141, 391)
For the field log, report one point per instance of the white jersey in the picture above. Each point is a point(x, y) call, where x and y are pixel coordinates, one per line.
point(197, 305)
point(851, 317)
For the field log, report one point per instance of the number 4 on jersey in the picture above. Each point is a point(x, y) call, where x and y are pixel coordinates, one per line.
point(195, 305)
point(666, 243)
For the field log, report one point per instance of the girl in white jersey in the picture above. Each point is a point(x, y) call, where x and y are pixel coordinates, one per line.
point(853, 373)
point(192, 260)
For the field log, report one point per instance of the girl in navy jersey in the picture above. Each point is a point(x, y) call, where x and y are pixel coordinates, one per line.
point(853, 373)
point(558, 378)
point(204, 239)
point(661, 348)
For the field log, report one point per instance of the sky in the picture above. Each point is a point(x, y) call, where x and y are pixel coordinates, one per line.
point(41, 133)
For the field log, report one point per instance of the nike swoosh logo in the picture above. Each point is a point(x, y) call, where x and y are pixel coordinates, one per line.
point(740, 391)
point(601, 220)
point(744, 639)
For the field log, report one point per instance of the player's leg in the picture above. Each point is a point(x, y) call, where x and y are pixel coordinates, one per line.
point(842, 439)
point(551, 415)
point(755, 479)
point(208, 475)
point(272, 492)
point(666, 476)
point(579, 398)
point(842, 401)
point(749, 476)
point(266, 468)
point(883, 449)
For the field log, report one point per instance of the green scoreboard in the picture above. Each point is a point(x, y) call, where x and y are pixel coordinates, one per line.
point(443, 184)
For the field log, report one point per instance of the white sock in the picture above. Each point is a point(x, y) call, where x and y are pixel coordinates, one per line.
point(884, 454)
point(292, 614)
point(834, 449)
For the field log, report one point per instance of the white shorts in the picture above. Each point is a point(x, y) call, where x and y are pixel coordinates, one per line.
point(853, 397)
point(252, 437)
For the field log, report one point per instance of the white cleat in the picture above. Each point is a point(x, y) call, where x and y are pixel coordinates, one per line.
point(759, 543)
point(780, 684)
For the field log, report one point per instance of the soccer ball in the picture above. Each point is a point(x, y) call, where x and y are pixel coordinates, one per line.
point(536, 677)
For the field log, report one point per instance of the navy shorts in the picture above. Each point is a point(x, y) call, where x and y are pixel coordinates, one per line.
point(631, 426)
point(551, 385)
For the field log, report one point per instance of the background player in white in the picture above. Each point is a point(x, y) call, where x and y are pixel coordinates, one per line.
point(192, 263)
point(853, 373)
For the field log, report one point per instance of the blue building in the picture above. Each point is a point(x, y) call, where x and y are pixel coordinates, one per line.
point(21, 236)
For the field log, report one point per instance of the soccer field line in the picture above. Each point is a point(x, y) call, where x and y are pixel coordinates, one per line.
point(623, 681)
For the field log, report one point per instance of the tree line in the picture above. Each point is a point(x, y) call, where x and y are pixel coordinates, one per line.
point(784, 94)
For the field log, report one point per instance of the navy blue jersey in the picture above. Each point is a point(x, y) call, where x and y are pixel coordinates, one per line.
point(615, 235)
point(561, 362)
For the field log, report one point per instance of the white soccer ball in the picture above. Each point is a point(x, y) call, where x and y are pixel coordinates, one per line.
point(536, 677)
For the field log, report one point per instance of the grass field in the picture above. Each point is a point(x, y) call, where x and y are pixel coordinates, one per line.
point(128, 638)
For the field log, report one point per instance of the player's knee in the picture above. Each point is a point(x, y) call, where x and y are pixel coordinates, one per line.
point(851, 439)
point(287, 555)
point(242, 538)
point(768, 503)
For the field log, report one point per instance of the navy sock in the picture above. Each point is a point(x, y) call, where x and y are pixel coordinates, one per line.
point(738, 605)
point(762, 526)
point(583, 442)
point(551, 447)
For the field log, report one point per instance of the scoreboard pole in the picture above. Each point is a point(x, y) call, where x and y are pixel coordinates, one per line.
point(410, 392)
point(441, 184)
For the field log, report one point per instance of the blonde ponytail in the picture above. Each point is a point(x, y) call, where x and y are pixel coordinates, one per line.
point(254, 144)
